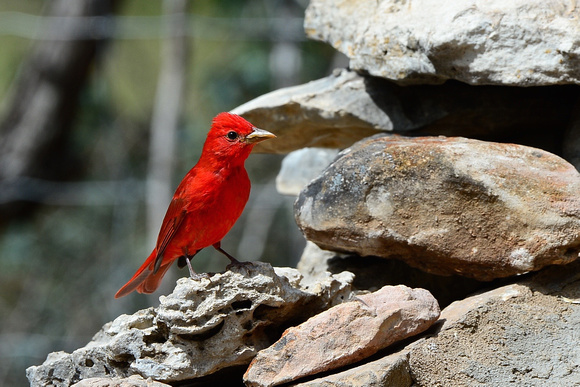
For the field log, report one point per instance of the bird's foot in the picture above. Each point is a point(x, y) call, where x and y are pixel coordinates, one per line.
point(199, 276)
point(192, 274)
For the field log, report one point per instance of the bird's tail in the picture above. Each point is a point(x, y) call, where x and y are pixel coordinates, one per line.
point(144, 280)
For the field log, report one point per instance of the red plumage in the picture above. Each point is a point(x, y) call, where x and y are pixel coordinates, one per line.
point(207, 202)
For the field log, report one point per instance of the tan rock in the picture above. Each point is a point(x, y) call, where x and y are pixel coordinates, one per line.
point(521, 334)
point(344, 334)
point(332, 112)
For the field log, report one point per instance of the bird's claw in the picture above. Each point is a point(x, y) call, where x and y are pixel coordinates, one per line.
point(199, 276)
point(239, 264)
point(192, 274)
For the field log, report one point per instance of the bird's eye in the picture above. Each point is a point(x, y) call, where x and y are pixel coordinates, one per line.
point(232, 135)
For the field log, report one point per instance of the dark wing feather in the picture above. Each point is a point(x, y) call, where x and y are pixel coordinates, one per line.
point(171, 223)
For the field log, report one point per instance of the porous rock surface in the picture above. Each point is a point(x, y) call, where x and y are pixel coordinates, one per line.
point(344, 334)
point(204, 326)
point(447, 206)
point(516, 42)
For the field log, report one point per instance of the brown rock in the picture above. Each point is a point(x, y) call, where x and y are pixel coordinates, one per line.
point(391, 370)
point(447, 206)
point(132, 381)
point(344, 335)
point(519, 334)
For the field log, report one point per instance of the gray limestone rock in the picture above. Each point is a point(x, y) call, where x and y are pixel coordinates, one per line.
point(336, 111)
point(518, 42)
point(523, 334)
point(204, 326)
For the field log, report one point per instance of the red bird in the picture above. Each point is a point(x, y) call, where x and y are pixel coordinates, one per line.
point(206, 204)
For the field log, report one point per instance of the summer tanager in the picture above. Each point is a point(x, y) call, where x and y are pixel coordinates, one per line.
point(206, 204)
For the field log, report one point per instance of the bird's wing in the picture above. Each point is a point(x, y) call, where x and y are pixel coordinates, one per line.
point(171, 223)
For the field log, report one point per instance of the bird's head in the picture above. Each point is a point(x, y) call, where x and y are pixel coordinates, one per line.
point(232, 138)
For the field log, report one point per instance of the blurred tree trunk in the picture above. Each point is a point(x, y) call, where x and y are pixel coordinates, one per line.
point(45, 96)
point(166, 114)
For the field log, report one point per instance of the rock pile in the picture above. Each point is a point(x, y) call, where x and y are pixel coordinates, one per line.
point(344, 335)
point(403, 221)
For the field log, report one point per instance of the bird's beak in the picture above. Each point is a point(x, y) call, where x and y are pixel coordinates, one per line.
point(258, 135)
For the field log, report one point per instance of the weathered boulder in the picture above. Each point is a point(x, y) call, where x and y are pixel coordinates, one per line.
point(204, 326)
point(336, 111)
point(523, 334)
point(447, 206)
point(331, 112)
point(518, 42)
point(344, 334)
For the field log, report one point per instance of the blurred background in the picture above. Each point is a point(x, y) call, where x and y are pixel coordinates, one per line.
point(104, 106)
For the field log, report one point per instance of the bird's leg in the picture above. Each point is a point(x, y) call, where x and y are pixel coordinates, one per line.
point(192, 273)
point(187, 258)
point(234, 262)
